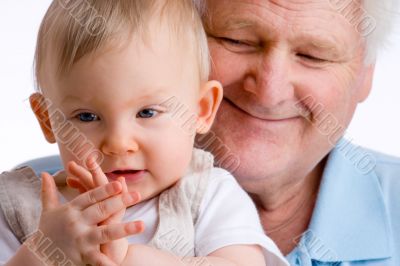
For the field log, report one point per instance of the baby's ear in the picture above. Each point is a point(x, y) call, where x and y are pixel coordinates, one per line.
point(40, 105)
point(210, 98)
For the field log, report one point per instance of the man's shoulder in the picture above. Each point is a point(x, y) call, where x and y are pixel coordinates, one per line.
point(387, 171)
point(384, 158)
point(386, 167)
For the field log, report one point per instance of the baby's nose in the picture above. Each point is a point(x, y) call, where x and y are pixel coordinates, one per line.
point(119, 144)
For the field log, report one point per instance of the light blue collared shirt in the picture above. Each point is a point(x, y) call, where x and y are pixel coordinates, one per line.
point(356, 220)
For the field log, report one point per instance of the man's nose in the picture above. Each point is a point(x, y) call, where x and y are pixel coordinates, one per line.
point(270, 78)
point(119, 142)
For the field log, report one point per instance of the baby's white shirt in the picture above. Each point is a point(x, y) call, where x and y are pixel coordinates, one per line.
point(227, 217)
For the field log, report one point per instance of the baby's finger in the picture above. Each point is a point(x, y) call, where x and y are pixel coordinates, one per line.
point(82, 174)
point(96, 258)
point(103, 210)
point(49, 194)
point(99, 178)
point(135, 194)
point(76, 184)
point(123, 183)
point(117, 217)
point(106, 233)
point(96, 195)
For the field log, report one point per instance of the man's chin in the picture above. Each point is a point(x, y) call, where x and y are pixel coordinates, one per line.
point(249, 159)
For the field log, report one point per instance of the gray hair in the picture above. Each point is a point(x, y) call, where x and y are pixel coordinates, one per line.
point(374, 20)
point(385, 13)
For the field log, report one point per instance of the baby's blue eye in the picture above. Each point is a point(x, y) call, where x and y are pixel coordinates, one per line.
point(87, 117)
point(147, 113)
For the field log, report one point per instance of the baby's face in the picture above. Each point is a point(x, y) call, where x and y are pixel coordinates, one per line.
point(119, 100)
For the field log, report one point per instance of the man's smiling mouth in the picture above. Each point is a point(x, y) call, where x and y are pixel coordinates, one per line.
point(284, 117)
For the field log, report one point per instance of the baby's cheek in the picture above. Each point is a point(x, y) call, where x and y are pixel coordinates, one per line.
point(173, 160)
point(66, 155)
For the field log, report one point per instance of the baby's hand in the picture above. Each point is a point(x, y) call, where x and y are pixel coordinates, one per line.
point(83, 180)
point(86, 179)
point(73, 227)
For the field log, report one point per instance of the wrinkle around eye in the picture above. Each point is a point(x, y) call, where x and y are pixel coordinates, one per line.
point(236, 45)
point(312, 58)
point(314, 62)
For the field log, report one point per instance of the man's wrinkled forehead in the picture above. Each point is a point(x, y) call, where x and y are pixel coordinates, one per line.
point(320, 20)
point(247, 13)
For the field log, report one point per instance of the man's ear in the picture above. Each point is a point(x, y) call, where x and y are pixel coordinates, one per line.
point(210, 99)
point(366, 84)
point(40, 107)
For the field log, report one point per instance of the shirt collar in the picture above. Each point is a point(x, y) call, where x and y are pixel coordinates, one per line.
point(349, 222)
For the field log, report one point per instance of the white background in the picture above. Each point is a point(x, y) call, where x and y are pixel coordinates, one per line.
point(376, 124)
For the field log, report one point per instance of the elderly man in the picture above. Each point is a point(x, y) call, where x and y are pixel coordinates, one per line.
point(293, 73)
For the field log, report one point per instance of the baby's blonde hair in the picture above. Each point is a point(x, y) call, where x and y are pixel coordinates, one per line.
point(72, 29)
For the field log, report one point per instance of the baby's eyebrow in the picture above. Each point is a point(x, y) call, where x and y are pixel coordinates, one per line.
point(157, 94)
point(72, 98)
point(153, 92)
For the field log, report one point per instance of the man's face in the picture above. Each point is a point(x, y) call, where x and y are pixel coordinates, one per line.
point(277, 59)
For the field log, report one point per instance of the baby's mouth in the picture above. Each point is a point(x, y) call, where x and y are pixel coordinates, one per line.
point(130, 175)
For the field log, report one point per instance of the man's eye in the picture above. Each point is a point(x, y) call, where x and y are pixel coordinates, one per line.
point(87, 117)
point(233, 41)
point(238, 46)
point(312, 58)
point(147, 113)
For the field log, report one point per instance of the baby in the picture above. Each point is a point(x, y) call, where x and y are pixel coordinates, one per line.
point(111, 75)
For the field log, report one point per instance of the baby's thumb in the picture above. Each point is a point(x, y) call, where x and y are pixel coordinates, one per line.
point(49, 194)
